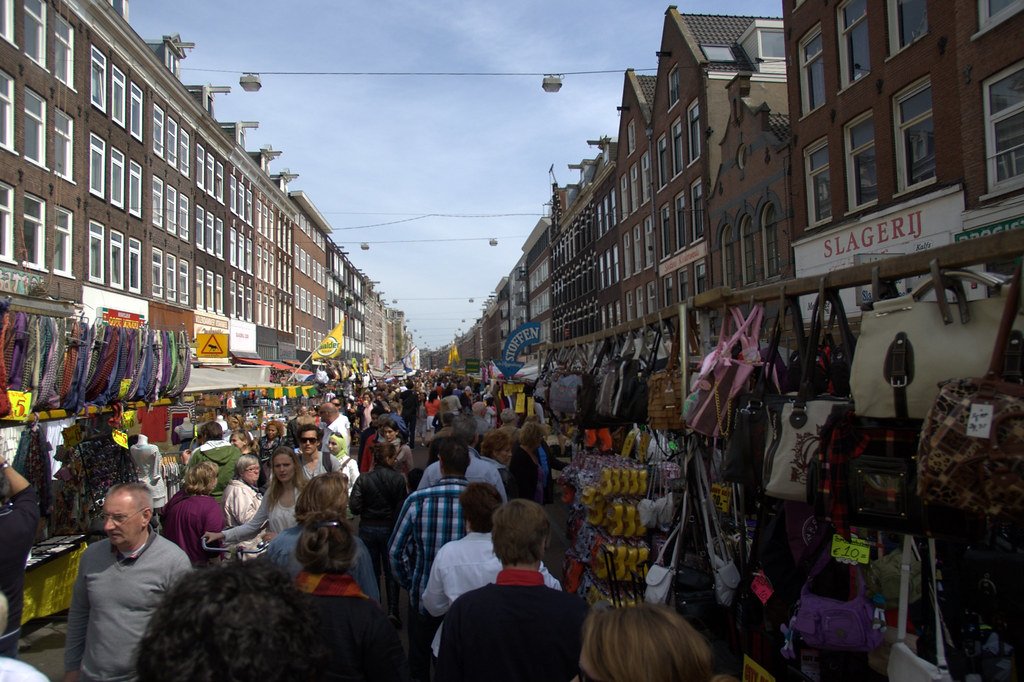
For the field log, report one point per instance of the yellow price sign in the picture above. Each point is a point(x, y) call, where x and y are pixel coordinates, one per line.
point(721, 494)
point(129, 418)
point(72, 435)
point(21, 404)
point(120, 437)
point(520, 403)
point(854, 551)
point(752, 672)
point(125, 385)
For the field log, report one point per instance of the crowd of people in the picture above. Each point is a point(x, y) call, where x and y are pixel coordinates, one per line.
point(344, 523)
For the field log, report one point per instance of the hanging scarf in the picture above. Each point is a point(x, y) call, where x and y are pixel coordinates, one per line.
point(543, 470)
point(329, 585)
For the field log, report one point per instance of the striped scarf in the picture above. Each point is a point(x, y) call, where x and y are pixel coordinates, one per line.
point(329, 585)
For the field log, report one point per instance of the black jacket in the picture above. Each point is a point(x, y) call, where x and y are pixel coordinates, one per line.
point(363, 644)
point(378, 496)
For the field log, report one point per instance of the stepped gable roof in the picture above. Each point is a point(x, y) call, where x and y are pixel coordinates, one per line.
point(779, 125)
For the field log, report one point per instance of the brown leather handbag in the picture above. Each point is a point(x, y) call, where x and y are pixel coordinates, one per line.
point(665, 394)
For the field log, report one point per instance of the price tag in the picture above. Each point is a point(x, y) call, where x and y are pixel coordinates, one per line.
point(129, 418)
point(850, 552)
point(125, 385)
point(762, 588)
point(979, 421)
point(520, 403)
point(752, 672)
point(72, 435)
point(721, 494)
point(120, 437)
point(21, 404)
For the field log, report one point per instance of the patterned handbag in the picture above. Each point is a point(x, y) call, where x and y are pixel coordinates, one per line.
point(971, 454)
point(665, 394)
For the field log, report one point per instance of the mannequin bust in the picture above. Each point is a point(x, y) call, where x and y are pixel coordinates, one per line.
point(147, 460)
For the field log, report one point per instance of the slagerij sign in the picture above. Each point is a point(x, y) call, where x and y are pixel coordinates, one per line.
point(523, 336)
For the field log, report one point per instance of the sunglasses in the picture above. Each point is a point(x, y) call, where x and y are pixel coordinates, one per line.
point(308, 440)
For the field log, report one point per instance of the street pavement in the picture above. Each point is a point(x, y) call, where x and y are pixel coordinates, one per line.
point(42, 641)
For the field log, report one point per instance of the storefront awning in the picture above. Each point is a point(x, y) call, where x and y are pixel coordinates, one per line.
point(269, 363)
point(216, 379)
point(243, 356)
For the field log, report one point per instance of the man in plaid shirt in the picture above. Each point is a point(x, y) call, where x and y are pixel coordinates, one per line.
point(429, 518)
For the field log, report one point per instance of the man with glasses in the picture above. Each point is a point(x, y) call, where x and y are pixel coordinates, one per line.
point(315, 461)
point(333, 422)
point(120, 583)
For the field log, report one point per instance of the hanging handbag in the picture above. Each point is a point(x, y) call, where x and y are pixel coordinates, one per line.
point(900, 366)
point(665, 393)
point(631, 400)
point(834, 624)
point(727, 576)
point(563, 391)
point(608, 378)
point(796, 423)
point(659, 576)
point(724, 373)
point(904, 663)
point(971, 453)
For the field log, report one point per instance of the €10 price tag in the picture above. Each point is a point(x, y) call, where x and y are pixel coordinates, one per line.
point(852, 551)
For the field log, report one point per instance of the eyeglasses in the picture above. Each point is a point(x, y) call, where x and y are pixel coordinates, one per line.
point(308, 440)
point(118, 519)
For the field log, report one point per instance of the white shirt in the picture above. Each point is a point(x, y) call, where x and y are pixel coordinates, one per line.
point(462, 566)
point(339, 426)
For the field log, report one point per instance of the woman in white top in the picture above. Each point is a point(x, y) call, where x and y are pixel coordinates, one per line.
point(349, 467)
point(241, 499)
point(277, 509)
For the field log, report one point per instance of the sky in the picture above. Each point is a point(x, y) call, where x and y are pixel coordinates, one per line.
point(415, 159)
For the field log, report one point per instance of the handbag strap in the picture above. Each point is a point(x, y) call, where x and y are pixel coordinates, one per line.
point(1010, 311)
point(940, 644)
point(904, 604)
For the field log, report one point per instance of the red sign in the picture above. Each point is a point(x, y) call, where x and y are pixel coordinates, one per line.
point(119, 318)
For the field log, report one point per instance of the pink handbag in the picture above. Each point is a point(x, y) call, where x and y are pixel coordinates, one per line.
point(708, 408)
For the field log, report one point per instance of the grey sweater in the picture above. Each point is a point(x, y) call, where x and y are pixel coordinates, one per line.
point(112, 603)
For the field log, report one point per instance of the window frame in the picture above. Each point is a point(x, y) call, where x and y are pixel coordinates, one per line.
point(115, 255)
point(158, 130)
point(988, 20)
point(64, 157)
point(41, 32)
point(694, 132)
point(66, 46)
point(184, 150)
point(39, 229)
point(134, 265)
point(698, 212)
point(171, 209)
point(772, 263)
point(673, 87)
point(991, 120)
point(40, 123)
point(184, 216)
point(807, 68)
point(136, 111)
point(63, 233)
point(171, 146)
point(117, 187)
point(850, 155)
point(7, 103)
point(846, 35)
point(156, 199)
point(810, 177)
point(170, 277)
point(184, 282)
point(134, 188)
point(95, 266)
point(97, 91)
point(893, 20)
point(156, 272)
point(902, 168)
point(118, 103)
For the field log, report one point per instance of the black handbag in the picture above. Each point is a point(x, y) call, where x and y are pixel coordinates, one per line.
point(694, 592)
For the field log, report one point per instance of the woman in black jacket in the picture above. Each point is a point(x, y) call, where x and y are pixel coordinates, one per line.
point(377, 499)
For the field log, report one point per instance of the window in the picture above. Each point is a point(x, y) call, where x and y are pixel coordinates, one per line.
point(232, 295)
point(116, 177)
point(248, 205)
point(667, 244)
point(1004, 127)
point(63, 145)
point(184, 283)
point(697, 210)
point(6, 111)
point(625, 196)
point(7, 20)
point(98, 80)
point(135, 189)
point(700, 277)
point(854, 56)
point(915, 137)
point(35, 128)
point(629, 306)
point(136, 112)
point(34, 232)
point(770, 229)
point(200, 288)
point(183, 151)
point(819, 192)
point(35, 31)
point(773, 44)
point(663, 175)
point(208, 232)
point(683, 279)
point(232, 242)
point(728, 242)
point(200, 227)
point(116, 260)
point(677, 147)
point(63, 244)
point(639, 302)
point(232, 194)
point(209, 173)
point(718, 53)
point(118, 95)
point(158, 131)
point(171, 278)
point(862, 184)
point(64, 52)
point(97, 165)
point(183, 214)
point(908, 21)
point(97, 253)
point(200, 166)
point(630, 137)
point(680, 209)
point(627, 257)
point(172, 142)
point(157, 273)
point(158, 202)
point(218, 186)
point(673, 87)
point(134, 266)
point(812, 71)
point(218, 238)
point(669, 290)
point(638, 256)
point(634, 187)
point(995, 11)
point(693, 129)
point(210, 301)
point(171, 212)
point(652, 297)
point(645, 176)
point(748, 242)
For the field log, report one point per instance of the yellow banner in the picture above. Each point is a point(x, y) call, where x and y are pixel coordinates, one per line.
point(330, 347)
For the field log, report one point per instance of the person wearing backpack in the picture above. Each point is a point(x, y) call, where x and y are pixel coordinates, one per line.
point(313, 461)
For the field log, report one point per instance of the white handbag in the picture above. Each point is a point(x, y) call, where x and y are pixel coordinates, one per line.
point(727, 576)
point(904, 663)
point(659, 577)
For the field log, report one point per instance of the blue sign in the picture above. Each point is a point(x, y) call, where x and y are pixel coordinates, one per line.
point(509, 369)
point(523, 336)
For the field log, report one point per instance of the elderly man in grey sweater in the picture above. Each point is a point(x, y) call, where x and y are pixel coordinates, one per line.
point(120, 582)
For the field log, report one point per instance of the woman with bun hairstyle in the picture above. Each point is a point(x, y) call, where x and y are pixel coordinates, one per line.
point(645, 643)
point(363, 644)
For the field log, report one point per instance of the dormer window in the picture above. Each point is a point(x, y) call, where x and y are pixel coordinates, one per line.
point(773, 44)
point(718, 53)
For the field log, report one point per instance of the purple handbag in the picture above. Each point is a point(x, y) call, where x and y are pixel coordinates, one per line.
point(833, 624)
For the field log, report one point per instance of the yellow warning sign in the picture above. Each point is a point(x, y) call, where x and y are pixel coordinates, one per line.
point(212, 345)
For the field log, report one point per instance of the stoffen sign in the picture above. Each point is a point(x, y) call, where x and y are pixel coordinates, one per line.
point(523, 336)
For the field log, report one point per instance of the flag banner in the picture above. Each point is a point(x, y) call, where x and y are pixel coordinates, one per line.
point(330, 347)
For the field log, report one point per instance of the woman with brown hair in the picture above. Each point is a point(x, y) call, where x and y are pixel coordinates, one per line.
point(362, 643)
point(531, 464)
point(645, 643)
point(277, 509)
point(193, 511)
point(273, 437)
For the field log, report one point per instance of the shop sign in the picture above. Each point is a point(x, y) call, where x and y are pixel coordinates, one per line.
point(243, 337)
point(472, 365)
point(690, 255)
point(18, 282)
point(119, 318)
point(986, 230)
point(523, 336)
point(208, 322)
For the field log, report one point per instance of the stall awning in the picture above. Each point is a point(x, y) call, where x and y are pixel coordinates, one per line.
point(242, 356)
point(256, 360)
point(216, 379)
